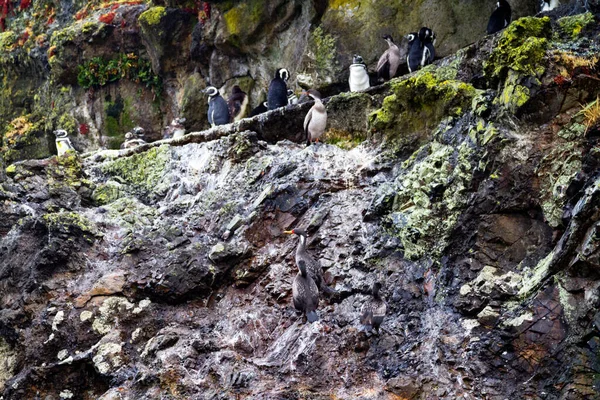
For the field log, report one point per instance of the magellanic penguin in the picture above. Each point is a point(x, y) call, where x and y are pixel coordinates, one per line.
point(359, 78)
point(63, 143)
point(178, 130)
point(132, 139)
point(292, 98)
point(237, 102)
point(316, 119)
point(500, 18)
point(421, 51)
point(218, 112)
point(373, 310)
point(427, 37)
point(389, 61)
point(313, 267)
point(305, 293)
point(549, 5)
point(277, 96)
point(260, 109)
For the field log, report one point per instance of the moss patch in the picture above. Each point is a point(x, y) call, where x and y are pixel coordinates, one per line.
point(70, 223)
point(152, 16)
point(574, 24)
point(144, 170)
point(418, 104)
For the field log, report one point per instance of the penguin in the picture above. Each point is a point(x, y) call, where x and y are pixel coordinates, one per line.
point(316, 118)
point(421, 49)
point(132, 140)
point(305, 293)
point(313, 267)
point(359, 78)
point(237, 103)
point(389, 61)
point(292, 98)
point(373, 310)
point(427, 37)
point(500, 18)
point(548, 5)
point(263, 107)
point(218, 112)
point(177, 128)
point(63, 143)
point(277, 96)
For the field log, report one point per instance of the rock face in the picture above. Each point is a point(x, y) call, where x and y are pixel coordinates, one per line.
point(469, 189)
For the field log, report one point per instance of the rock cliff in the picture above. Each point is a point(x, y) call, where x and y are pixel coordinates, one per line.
point(470, 189)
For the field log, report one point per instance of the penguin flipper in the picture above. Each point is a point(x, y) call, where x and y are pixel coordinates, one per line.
point(312, 316)
point(383, 66)
point(306, 125)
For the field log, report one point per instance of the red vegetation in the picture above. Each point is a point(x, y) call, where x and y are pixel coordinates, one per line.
point(81, 14)
point(84, 129)
point(24, 4)
point(561, 80)
point(107, 18)
point(5, 8)
point(204, 13)
point(123, 23)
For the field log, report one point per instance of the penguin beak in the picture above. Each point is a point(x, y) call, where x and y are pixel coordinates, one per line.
point(289, 232)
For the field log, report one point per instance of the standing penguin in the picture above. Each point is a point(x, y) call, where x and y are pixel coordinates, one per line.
point(427, 37)
point(316, 119)
point(373, 310)
point(277, 96)
point(305, 293)
point(421, 51)
point(237, 103)
point(63, 143)
point(218, 112)
point(500, 18)
point(359, 78)
point(177, 127)
point(133, 138)
point(389, 60)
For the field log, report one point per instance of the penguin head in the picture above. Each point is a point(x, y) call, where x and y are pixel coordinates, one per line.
point(266, 104)
point(411, 37)
point(138, 130)
point(129, 136)
point(388, 38)
point(425, 34)
point(283, 74)
point(178, 122)
point(211, 91)
point(376, 287)
point(314, 94)
point(290, 92)
point(60, 133)
point(357, 59)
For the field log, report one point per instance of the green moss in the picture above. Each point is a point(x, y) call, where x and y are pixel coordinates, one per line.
point(70, 223)
point(521, 48)
point(152, 16)
point(11, 169)
point(432, 194)
point(418, 104)
point(144, 170)
point(90, 27)
point(7, 40)
point(574, 24)
point(106, 193)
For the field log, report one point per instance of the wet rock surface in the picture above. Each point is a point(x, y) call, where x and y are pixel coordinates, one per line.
point(162, 271)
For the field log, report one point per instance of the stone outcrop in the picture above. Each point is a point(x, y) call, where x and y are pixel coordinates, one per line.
point(469, 189)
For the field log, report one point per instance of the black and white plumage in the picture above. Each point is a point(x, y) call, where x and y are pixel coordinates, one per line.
point(549, 5)
point(373, 310)
point(315, 121)
point(277, 96)
point(305, 293)
point(500, 18)
point(218, 111)
point(133, 138)
point(313, 267)
point(262, 108)
point(63, 143)
point(237, 103)
point(177, 127)
point(292, 98)
point(421, 49)
point(359, 77)
point(390, 60)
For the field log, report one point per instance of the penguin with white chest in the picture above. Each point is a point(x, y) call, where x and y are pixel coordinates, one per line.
point(63, 143)
point(261, 108)
point(278, 92)
point(218, 111)
point(292, 98)
point(359, 78)
point(500, 18)
point(316, 119)
point(134, 138)
point(388, 63)
point(421, 49)
point(549, 5)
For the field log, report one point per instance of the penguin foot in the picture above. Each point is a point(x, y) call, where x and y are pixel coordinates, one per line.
point(312, 316)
